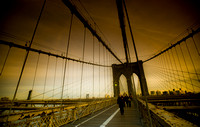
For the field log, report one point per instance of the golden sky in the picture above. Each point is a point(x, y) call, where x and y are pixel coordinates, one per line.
point(155, 23)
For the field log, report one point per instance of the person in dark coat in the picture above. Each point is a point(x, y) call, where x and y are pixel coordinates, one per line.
point(126, 99)
point(121, 103)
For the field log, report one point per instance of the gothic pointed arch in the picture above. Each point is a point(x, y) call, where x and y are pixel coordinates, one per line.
point(127, 70)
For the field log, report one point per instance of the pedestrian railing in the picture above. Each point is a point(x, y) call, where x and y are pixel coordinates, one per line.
point(56, 116)
point(161, 117)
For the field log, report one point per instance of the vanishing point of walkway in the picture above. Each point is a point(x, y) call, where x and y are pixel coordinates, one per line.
point(110, 117)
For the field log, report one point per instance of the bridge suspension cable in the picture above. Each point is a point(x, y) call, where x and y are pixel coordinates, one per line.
point(87, 25)
point(177, 43)
point(52, 76)
point(67, 50)
point(45, 80)
point(176, 68)
point(36, 68)
point(195, 46)
point(191, 60)
point(48, 53)
point(181, 69)
point(83, 56)
point(54, 79)
point(93, 42)
point(186, 66)
point(99, 68)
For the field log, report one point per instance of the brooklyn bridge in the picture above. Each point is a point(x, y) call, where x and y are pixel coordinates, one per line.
point(66, 62)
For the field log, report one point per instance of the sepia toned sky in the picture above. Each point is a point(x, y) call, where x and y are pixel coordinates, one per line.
point(155, 23)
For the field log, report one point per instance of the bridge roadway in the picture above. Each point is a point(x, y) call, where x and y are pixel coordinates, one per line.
point(110, 117)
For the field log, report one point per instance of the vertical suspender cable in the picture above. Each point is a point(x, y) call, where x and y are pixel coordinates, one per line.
point(192, 61)
point(93, 67)
point(108, 75)
point(73, 80)
point(171, 69)
point(195, 45)
point(67, 50)
point(168, 71)
point(163, 68)
point(77, 89)
point(107, 84)
point(82, 63)
point(104, 72)
point(5, 61)
point(67, 85)
point(27, 52)
point(159, 81)
point(35, 71)
point(111, 78)
point(26, 57)
point(164, 71)
point(165, 74)
point(54, 80)
point(61, 77)
point(181, 68)
point(176, 69)
point(99, 68)
point(45, 81)
point(186, 67)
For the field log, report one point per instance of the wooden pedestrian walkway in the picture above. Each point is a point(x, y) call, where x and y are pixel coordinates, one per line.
point(110, 117)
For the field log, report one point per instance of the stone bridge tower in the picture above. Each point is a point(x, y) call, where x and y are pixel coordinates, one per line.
point(127, 70)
